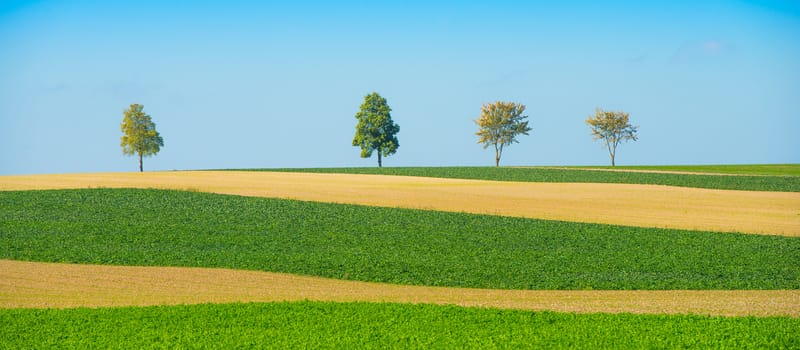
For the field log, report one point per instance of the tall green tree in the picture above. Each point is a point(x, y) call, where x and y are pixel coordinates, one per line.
point(375, 130)
point(139, 135)
point(499, 125)
point(612, 128)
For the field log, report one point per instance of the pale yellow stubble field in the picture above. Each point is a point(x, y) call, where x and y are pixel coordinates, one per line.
point(50, 285)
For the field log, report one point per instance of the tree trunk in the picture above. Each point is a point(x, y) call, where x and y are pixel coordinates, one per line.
point(612, 149)
point(379, 159)
point(140, 163)
point(613, 153)
point(497, 152)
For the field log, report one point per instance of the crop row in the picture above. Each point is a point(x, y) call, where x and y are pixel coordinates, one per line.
point(174, 228)
point(374, 325)
point(744, 169)
point(725, 182)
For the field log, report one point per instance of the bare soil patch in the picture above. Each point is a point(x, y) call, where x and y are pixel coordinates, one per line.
point(50, 285)
point(624, 204)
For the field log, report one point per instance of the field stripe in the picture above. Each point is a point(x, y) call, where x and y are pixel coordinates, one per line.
point(623, 204)
point(644, 171)
point(50, 285)
point(780, 170)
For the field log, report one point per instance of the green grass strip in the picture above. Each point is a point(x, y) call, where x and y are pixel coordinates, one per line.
point(317, 325)
point(724, 182)
point(745, 169)
point(417, 247)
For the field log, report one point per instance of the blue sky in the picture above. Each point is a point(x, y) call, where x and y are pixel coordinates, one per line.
point(240, 84)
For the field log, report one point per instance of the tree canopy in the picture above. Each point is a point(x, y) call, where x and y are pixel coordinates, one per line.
point(139, 135)
point(375, 130)
point(612, 128)
point(499, 125)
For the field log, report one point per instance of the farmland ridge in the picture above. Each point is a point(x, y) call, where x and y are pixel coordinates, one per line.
point(621, 204)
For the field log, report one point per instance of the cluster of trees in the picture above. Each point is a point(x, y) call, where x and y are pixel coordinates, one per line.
point(499, 125)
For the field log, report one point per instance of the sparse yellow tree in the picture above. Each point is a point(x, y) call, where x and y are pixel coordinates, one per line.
point(612, 128)
point(499, 125)
point(139, 135)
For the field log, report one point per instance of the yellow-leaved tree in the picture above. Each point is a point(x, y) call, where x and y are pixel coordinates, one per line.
point(612, 128)
point(499, 125)
point(139, 135)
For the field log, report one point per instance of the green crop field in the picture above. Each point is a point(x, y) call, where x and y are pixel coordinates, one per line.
point(173, 228)
point(784, 180)
point(372, 325)
point(177, 228)
point(747, 169)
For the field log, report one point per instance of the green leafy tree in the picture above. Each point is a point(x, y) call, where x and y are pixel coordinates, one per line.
point(139, 135)
point(499, 125)
point(375, 130)
point(612, 128)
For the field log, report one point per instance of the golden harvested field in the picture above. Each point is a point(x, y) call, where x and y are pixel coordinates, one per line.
point(635, 205)
point(32, 284)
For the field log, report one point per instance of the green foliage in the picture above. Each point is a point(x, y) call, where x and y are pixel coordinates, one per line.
point(139, 135)
point(375, 130)
point(173, 228)
point(499, 124)
point(739, 169)
point(315, 325)
point(543, 174)
point(611, 128)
